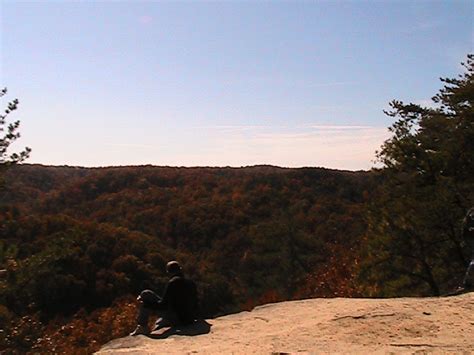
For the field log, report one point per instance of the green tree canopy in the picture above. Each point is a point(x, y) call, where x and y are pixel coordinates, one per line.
point(414, 243)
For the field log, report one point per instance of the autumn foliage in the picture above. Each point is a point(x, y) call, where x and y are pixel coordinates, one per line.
point(78, 244)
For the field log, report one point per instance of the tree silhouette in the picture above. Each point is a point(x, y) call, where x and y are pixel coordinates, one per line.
point(9, 134)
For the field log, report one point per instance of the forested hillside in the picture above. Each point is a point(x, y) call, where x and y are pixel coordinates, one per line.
point(79, 243)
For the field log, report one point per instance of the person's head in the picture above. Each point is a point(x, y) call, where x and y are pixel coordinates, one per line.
point(173, 268)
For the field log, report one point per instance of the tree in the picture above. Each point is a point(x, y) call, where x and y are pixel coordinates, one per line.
point(9, 135)
point(414, 243)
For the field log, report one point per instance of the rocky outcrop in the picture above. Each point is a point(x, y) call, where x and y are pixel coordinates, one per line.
point(339, 325)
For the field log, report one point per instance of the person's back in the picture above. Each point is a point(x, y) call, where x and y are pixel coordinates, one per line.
point(183, 298)
point(177, 306)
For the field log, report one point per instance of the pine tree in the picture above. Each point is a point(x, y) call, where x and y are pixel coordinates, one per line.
point(9, 134)
point(414, 243)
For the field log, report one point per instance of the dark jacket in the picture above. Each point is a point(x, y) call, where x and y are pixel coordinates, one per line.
point(180, 296)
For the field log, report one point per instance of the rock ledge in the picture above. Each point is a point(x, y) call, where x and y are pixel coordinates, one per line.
point(338, 325)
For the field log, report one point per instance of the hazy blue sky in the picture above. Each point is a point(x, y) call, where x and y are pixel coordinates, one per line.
point(222, 83)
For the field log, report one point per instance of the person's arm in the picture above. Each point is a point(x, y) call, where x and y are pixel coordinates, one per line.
point(167, 295)
point(468, 226)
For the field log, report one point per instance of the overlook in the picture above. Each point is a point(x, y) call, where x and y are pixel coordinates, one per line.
point(294, 174)
point(339, 325)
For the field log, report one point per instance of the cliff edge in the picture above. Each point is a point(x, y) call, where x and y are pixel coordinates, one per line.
point(338, 325)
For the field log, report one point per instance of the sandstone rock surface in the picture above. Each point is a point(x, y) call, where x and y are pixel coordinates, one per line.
point(338, 325)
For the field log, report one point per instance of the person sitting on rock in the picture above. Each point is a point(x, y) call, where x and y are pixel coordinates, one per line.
point(468, 234)
point(177, 306)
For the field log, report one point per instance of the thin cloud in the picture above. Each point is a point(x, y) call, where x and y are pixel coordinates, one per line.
point(130, 145)
point(283, 81)
point(262, 127)
point(422, 26)
point(336, 83)
point(231, 127)
point(145, 19)
point(333, 146)
point(337, 127)
point(352, 148)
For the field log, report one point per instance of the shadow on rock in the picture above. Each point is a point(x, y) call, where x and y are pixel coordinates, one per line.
point(197, 328)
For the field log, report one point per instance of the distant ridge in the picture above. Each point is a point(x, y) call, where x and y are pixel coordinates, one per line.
point(261, 167)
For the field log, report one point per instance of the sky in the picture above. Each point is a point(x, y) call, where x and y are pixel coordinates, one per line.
point(222, 83)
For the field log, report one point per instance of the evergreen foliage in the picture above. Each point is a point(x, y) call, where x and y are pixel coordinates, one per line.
point(414, 242)
point(9, 134)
